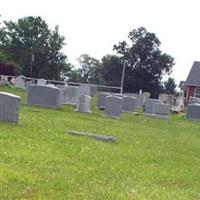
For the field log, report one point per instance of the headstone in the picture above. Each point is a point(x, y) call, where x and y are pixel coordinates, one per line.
point(71, 95)
point(101, 101)
point(41, 82)
point(167, 99)
point(84, 104)
point(113, 106)
point(194, 100)
point(44, 96)
point(161, 110)
point(84, 90)
point(145, 96)
point(128, 104)
point(93, 90)
point(193, 111)
point(139, 99)
point(20, 82)
point(9, 107)
point(149, 105)
point(3, 80)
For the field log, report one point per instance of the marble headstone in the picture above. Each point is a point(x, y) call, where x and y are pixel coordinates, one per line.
point(113, 106)
point(148, 108)
point(20, 82)
point(101, 100)
point(9, 107)
point(128, 104)
point(84, 104)
point(44, 96)
point(193, 111)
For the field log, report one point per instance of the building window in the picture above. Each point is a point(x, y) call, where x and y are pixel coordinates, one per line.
point(197, 92)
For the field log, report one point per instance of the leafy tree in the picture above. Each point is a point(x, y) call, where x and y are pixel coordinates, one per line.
point(147, 63)
point(170, 86)
point(89, 71)
point(36, 48)
point(111, 69)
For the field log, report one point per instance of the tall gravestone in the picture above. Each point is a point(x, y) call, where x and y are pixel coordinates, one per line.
point(113, 106)
point(145, 97)
point(44, 96)
point(84, 104)
point(84, 90)
point(101, 100)
point(128, 104)
point(193, 111)
point(93, 90)
point(20, 82)
point(9, 107)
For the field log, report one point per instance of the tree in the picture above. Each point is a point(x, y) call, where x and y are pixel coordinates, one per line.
point(89, 71)
point(170, 86)
point(111, 70)
point(36, 48)
point(147, 63)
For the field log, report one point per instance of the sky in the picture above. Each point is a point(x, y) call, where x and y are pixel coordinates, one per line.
point(94, 26)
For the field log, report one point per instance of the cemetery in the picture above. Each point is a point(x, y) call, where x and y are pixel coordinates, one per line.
point(118, 152)
point(109, 125)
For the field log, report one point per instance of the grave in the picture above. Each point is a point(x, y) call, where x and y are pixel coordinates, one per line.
point(41, 82)
point(148, 108)
point(9, 107)
point(93, 90)
point(44, 96)
point(84, 104)
point(101, 101)
point(84, 90)
point(193, 111)
point(70, 95)
point(139, 99)
point(20, 82)
point(113, 106)
point(128, 104)
point(145, 97)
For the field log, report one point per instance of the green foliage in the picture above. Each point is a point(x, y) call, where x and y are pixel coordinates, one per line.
point(88, 71)
point(154, 159)
point(36, 48)
point(170, 86)
point(147, 63)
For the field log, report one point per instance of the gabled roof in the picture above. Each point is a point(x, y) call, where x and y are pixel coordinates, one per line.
point(194, 75)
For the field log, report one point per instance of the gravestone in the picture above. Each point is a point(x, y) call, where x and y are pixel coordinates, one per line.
point(70, 95)
point(145, 97)
point(194, 100)
point(128, 104)
point(101, 101)
point(93, 90)
point(113, 106)
point(84, 90)
point(148, 108)
point(193, 111)
point(9, 107)
point(139, 99)
point(84, 104)
point(20, 82)
point(3, 80)
point(44, 96)
point(41, 82)
point(161, 110)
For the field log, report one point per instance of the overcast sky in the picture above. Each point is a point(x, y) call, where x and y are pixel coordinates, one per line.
point(94, 26)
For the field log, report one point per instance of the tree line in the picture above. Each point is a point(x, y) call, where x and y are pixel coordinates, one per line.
point(36, 51)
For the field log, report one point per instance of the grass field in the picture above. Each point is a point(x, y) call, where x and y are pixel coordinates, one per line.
point(153, 159)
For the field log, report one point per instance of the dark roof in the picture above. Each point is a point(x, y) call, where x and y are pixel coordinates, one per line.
point(181, 85)
point(194, 75)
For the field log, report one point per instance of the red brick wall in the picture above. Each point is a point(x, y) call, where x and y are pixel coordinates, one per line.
point(191, 91)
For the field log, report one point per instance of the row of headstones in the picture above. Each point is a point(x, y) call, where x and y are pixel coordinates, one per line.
point(45, 96)
point(114, 105)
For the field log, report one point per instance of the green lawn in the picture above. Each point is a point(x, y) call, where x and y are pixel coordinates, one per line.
point(153, 158)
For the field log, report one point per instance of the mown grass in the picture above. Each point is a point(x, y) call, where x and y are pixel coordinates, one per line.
point(153, 158)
